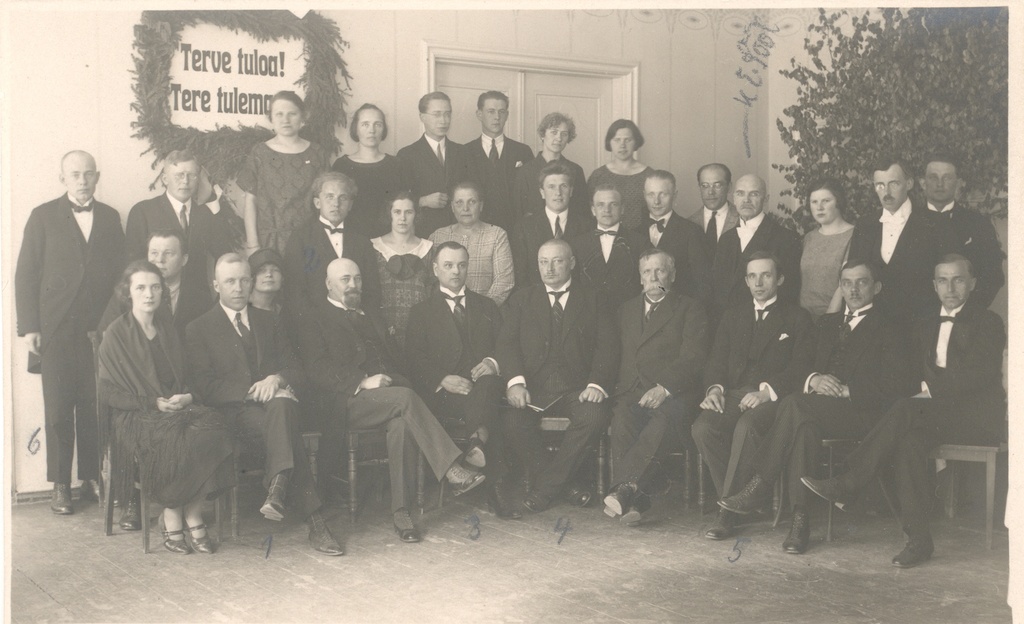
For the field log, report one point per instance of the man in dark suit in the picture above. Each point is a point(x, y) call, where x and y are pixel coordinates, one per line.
point(756, 231)
point(664, 229)
point(435, 163)
point(958, 358)
point(605, 258)
point(205, 228)
point(664, 344)
point(556, 132)
point(314, 245)
point(70, 257)
point(860, 371)
point(348, 358)
point(902, 241)
point(716, 215)
point(762, 352)
point(450, 346)
point(971, 233)
point(493, 159)
point(559, 349)
point(240, 363)
point(554, 221)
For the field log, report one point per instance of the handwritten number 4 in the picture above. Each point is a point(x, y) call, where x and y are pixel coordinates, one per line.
point(559, 528)
point(736, 548)
point(474, 530)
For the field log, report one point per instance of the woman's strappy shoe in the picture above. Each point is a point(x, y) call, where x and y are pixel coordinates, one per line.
point(178, 547)
point(201, 544)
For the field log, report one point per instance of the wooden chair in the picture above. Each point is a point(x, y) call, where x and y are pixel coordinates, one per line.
point(964, 453)
point(560, 423)
point(355, 461)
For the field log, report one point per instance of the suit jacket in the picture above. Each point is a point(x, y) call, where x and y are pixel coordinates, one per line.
point(727, 286)
point(907, 278)
point(55, 269)
point(533, 231)
point(527, 199)
point(781, 357)
point(497, 180)
point(209, 235)
point(616, 280)
point(732, 217)
point(428, 176)
point(669, 349)
point(875, 357)
point(972, 235)
point(683, 241)
point(589, 341)
point(218, 370)
point(432, 342)
point(306, 257)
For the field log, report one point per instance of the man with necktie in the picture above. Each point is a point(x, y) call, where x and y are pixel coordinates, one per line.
point(664, 341)
point(958, 359)
point(860, 369)
point(761, 354)
point(70, 259)
point(716, 215)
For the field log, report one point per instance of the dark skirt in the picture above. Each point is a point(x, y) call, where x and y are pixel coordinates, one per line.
point(182, 456)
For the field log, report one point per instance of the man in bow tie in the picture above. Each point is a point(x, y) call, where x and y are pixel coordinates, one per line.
point(70, 259)
point(958, 359)
point(664, 342)
point(860, 370)
point(761, 354)
point(606, 257)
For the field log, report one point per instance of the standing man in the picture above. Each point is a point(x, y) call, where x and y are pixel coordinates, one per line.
point(70, 258)
point(680, 238)
point(493, 159)
point(664, 344)
point(972, 234)
point(241, 364)
point(716, 215)
point(435, 163)
point(558, 347)
point(761, 354)
point(556, 132)
point(606, 259)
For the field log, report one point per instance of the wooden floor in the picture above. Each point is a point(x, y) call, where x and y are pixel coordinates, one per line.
point(596, 570)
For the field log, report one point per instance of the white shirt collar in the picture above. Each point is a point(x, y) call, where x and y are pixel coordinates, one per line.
point(434, 144)
point(75, 202)
point(766, 303)
point(341, 305)
point(859, 312)
point(942, 310)
point(666, 217)
point(564, 287)
point(947, 208)
point(499, 142)
point(562, 216)
point(614, 228)
point(900, 216)
point(719, 214)
point(753, 223)
point(231, 314)
point(176, 203)
point(461, 293)
point(329, 224)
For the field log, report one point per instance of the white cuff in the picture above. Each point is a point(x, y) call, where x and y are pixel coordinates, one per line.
point(518, 379)
point(598, 388)
point(807, 383)
point(494, 362)
point(771, 392)
point(712, 387)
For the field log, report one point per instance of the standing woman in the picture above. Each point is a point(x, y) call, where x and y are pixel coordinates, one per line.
point(556, 132)
point(184, 450)
point(277, 176)
point(624, 171)
point(825, 248)
point(379, 176)
point(402, 262)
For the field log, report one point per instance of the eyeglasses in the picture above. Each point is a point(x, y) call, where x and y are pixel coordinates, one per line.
point(440, 114)
point(704, 186)
point(183, 176)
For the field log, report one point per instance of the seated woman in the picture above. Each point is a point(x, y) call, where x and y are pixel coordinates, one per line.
point(402, 262)
point(267, 278)
point(184, 450)
point(825, 248)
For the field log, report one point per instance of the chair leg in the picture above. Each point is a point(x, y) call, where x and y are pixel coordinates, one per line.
point(831, 507)
point(602, 453)
point(108, 505)
point(234, 512)
point(144, 513)
point(700, 483)
point(954, 488)
point(353, 445)
point(420, 461)
point(777, 500)
point(990, 497)
point(687, 478)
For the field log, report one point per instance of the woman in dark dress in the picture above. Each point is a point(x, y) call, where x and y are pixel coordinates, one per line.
point(624, 171)
point(184, 450)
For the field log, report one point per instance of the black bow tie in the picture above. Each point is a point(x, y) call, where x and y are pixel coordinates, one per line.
point(331, 229)
point(946, 319)
point(78, 208)
point(658, 222)
point(606, 232)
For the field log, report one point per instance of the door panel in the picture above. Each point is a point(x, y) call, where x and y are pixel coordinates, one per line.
point(464, 84)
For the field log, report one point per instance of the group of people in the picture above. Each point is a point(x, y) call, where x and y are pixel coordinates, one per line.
point(485, 285)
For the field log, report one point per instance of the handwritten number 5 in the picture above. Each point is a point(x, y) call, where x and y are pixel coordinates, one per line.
point(736, 548)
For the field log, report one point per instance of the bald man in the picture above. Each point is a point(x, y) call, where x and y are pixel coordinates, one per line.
point(350, 360)
point(70, 259)
point(756, 231)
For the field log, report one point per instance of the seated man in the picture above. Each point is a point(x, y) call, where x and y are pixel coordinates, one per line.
point(860, 371)
point(347, 359)
point(958, 358)
point(606, 258)
point(558, 348)
point(450, 346)
point(241, 364)
point(664, 343)
point(762, 351)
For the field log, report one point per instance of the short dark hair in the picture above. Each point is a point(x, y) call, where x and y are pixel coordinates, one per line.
point(619, 124)
point(950, 258)
point(883, 163)
point(553, 119)
point(468, 185)
point(288, 96)
point(353, 127)
point(389, 202)
point(834, 186)
point(433, 95)
point(168, 234)
point(447, 245)
point(764, 254)
point(490, 95)
point(872, 267)
point(728, 172)
point(944, 156)
point(554, 167)
point(661, 174)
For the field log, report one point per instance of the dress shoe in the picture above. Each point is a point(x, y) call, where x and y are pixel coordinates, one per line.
point(641, 503)
point(462, 479)
point(917, 551)
point(619, 499)
point(829, 489)
point(89, 492)
point(60, 500)
point(273, 507)
point(405, 528)
point(534, 504)
point(579, 495)
point(320, 537)
point(749, 499)
point(176, 546)
point(201, 544)
point(799, 533)
point(502, 507)
point(474, 455)
point(131, 518)
point(722, 527)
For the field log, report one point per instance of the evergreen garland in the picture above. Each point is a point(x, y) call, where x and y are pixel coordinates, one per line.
point(223, 151)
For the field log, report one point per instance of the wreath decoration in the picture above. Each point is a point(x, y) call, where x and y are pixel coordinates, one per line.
point(223, 151)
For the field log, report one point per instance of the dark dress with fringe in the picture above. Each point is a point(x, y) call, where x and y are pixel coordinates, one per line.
point(181, 455)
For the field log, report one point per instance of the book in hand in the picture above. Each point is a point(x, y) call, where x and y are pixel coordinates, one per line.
point(544, 408)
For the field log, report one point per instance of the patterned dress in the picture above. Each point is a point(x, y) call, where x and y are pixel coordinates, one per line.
point(631, 188)
point(490, 259)
point(405, 280)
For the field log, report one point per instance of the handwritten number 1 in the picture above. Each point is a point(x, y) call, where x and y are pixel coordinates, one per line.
point(268, 542)
point(559, 528)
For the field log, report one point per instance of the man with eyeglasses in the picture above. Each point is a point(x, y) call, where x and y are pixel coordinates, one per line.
point(435, 163)
point(716, 215)
point(205, 228)
point(901, 241)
